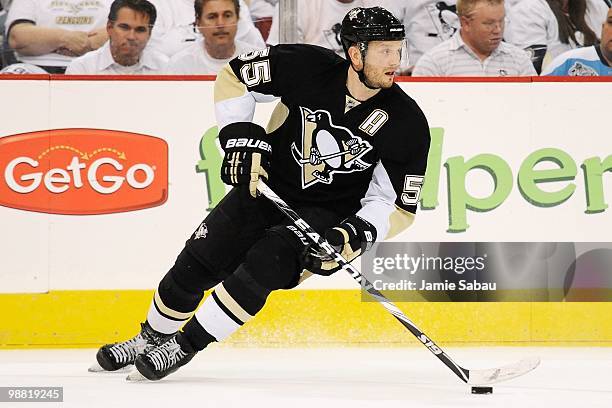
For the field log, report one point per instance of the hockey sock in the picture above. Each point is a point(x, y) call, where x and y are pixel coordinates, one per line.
point(163, 319)
point(179, 293)
point(233, 302)
point(194, 337)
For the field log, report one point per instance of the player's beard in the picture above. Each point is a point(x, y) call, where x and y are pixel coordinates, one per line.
point(375, 77)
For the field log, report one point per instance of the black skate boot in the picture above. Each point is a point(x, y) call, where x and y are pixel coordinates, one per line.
point(165, 359)
point(113, 357)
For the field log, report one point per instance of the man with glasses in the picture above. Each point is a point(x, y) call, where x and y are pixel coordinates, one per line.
point(129, 27)
point(477, 49)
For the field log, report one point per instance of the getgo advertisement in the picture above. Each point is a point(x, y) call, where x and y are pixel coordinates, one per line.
point(83, 171)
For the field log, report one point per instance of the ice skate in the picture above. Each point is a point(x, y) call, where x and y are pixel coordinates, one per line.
point(118, 357)
point(158, 362)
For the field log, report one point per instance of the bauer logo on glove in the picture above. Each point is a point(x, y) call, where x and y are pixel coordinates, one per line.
point(250, 143)
point(247, 155)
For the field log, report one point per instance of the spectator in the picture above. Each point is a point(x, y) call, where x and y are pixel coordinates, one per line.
point(176, 29)
point(51, 33)
point(129, 27)
point(477, 49)
point(318, 23)
point(589, 61)
point(427, 24)
point(549, 27)
point(217, 20)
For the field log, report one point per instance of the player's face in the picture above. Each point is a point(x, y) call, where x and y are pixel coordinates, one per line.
point(218, 22)
point(483, 29)
point(606, 37)
point(128, 35)
point(382, 61)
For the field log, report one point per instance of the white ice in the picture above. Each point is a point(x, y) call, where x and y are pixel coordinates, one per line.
point(319, 378)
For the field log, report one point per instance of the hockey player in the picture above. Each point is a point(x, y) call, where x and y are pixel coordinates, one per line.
point(369, 140)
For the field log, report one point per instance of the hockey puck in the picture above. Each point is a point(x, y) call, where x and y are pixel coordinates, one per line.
point(482, 390)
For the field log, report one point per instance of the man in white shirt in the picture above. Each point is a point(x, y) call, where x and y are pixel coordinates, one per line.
point(51, 33)
point(217, 21)
point(175, 30)
point(318, 22)
point(129, 29)
point(477, 49)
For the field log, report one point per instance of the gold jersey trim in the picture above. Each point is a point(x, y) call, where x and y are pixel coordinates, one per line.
point(228, 86)
point(399, 220)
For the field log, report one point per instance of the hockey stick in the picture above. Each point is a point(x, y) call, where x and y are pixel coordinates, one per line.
point(472, 377)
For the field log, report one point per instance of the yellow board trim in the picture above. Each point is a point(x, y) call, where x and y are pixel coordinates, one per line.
point(307, 318)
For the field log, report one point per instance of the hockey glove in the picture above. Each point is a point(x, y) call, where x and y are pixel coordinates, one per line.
point(351, 238)
point(247, 155)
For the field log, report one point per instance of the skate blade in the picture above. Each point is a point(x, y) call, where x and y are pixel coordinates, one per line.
point(135, 376)
point(96, 368)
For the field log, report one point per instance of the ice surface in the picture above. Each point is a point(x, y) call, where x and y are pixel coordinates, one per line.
point(319, 378)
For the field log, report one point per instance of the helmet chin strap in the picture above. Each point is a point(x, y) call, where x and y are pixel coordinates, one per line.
point(362, 78)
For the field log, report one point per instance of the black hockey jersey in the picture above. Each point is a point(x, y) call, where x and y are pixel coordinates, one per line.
point(328, 149)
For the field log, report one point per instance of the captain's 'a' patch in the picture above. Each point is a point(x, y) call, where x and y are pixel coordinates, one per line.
point(327, 149)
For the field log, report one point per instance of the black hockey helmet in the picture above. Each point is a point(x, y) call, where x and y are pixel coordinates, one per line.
point(363, 24)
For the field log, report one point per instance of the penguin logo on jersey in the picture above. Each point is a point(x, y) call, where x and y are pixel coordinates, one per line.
point(579, 69)
point(330, 149)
